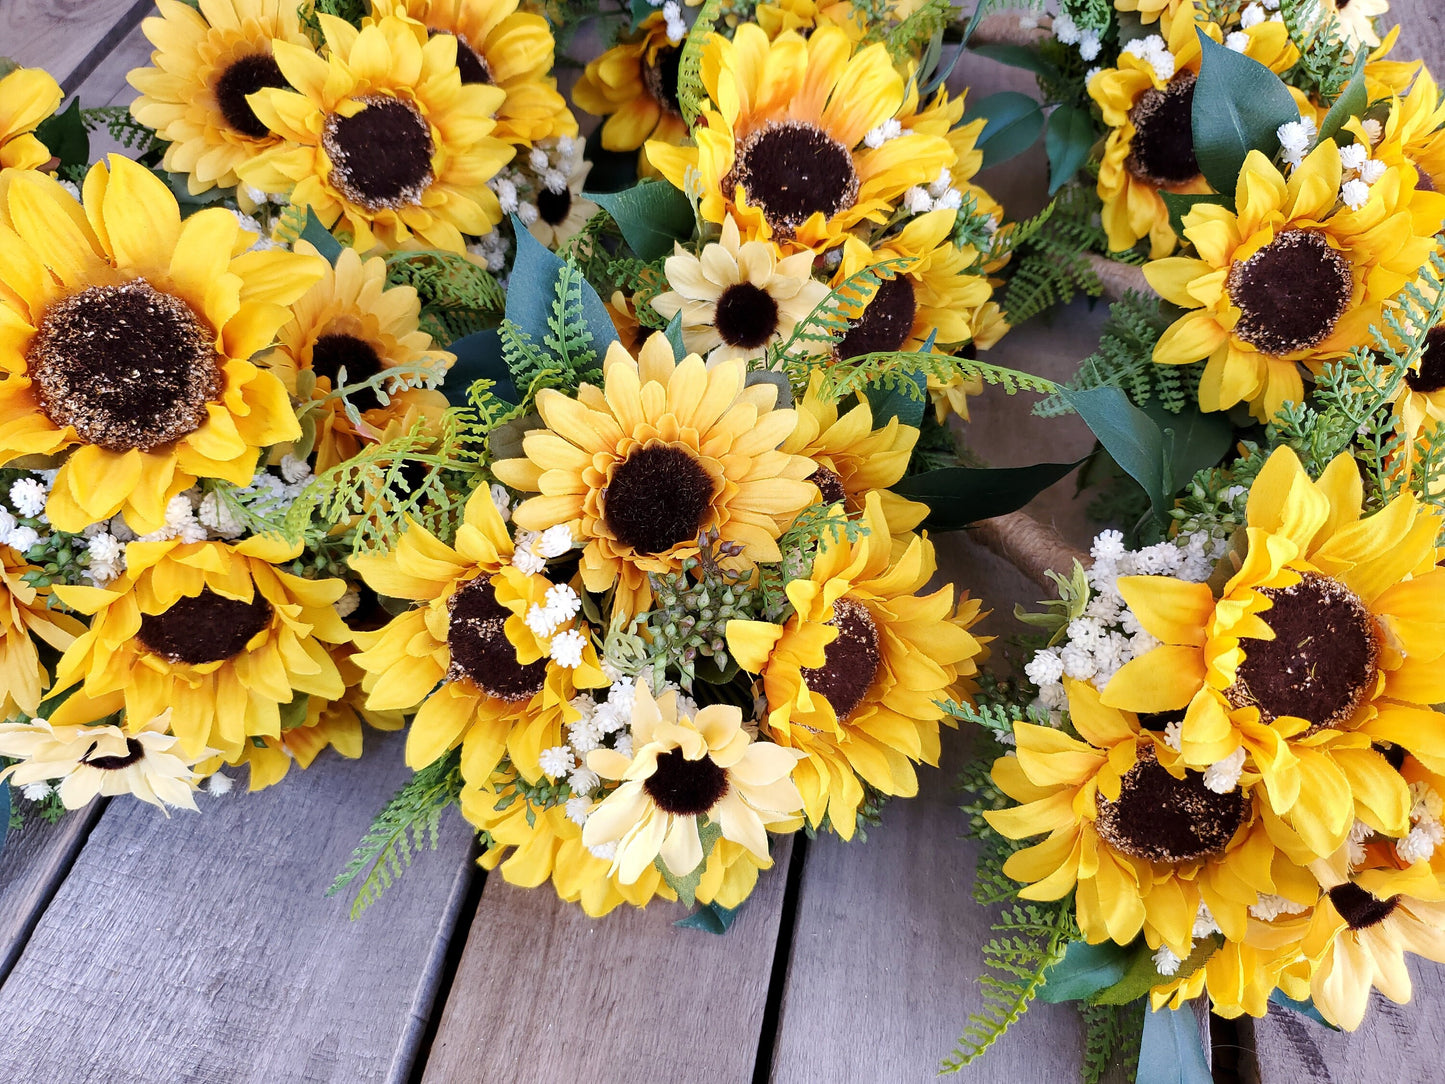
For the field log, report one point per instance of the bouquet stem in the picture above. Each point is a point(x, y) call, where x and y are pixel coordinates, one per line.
point(1118, 278)
point(1034, 548)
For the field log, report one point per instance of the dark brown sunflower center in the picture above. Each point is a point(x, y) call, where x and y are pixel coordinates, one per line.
point(127, 366)
point(659, 497)
point(686, 788)
point(792, 170)
point(1359, 908)
point(480, 650)
point(335, 351)
point(243, 77)
point(1162, 150)
point(553, 207)
point(471, 65)
point(204, 628)
point(1430, 376)
point(660, 78)
point(1290, 293)
point(1163, 819)
point(134, 750)
point(381, 156)
point(1423, 181)
point(1158, 721)
point(886, 323)
point(1322, 661)
point(850, 663)
point(829, 484)
point(747, 316)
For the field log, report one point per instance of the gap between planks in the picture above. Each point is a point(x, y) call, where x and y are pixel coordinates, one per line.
point(67, 38)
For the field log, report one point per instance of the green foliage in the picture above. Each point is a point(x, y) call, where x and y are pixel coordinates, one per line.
point(1052, 266)
point(457, 297)
point(1239, 105)
point(351, 11)
point(1125, 360)
point(1072, 599)
point(845, 378)
point(409, 822)
point(1014, 122)
point(122, 127)
point(685, 632)
point(1111, 1038)
point(1092, 15)
point(819, 333)
point(691, 95)
point(1326, 60)
point(906, 40)
point(798, 545)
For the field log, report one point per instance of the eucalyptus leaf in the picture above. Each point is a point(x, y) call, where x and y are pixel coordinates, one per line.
point(65, 136)
point(479, 357)
point(777, 380)
point(1181, 203)
point(1068, 139)
point(653, 216)
point(1014, 122)
point(1127, 434)
point(612, 171)
point(673, 331)
point(686, 887)
point(1172, 1050)
point(533, 288)
point(1193, 440)
point(1239, 105)
point(958, 496)
point(1304, 1008)
point(712, 917)
point(320, 237)
point(1084, 970)
point(1352, 102)
point(904, 397)
point(1143, 974)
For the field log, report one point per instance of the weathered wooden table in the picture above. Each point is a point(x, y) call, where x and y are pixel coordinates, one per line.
point(201, 948)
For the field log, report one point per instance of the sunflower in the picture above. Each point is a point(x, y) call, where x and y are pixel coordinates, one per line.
point(333, 724)
point(853, 459)
point(661, 454)
point(1240, 977)
point(1361, 930)
point(1420, 401)
point(1355, 20)
point(634, 85)
point(90, 295)
point(548, 845)
point(214, 632)
point(988, 324)
point(805, 16)
point(944, 117)
point(1146, 103)
point(26, 613)
point(1141, 842)
point(100, 760)
point(27, 97)
point(1413, 133)
point(688, 765)
point(854, 678)
point(737, 299)
point(931, 294)
point(383, 139)
point(498, 46)
point(1293, 276)
point(206, 63)
point(797, 145)
point(352, 320)
point(562, 213)
point(1152, 11)
point(1325, 642)
point(480, 672)
point(623, 311)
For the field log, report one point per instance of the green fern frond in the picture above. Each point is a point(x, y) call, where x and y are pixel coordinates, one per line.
point(691, 95)
point(1111, 1038)
point(823, 328)
point(409, 822)
point(122, 127)
point(906, 40)
point(849, 377)
point(457, 297)
point(567, 336)
point(1052, 266)
point(290, 224)
point(1326, 59)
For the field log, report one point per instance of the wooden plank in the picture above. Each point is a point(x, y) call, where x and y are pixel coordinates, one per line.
point(201, 948)
point(106, 84)
point(35, 861)
point(545, 993)
point(66, 37)
point(1396, 1043)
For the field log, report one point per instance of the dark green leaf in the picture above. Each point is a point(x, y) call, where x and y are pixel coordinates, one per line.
point(1181, 203)
point(1014, 123)
point(712, 917)
point(1127, 434)
point(65, 136)
point(1083, 971)
point(1193, 440)
point(673, 331)
point(1239, 105)
point(686, 887)
point(7, 66)
point(958, 496)
point(1018, 56)
point(1143, 975)
point(181, 189)
point(533, 288)
point(1352, 102)
point(1172, 1050)
point(479, 357)
point(653, 216)
point(1304, 1008)
point(320, 237)
point(641, 9)
point(1068, 138)
point(904, 397)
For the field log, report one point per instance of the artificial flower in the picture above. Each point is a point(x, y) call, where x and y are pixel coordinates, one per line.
point(27, 97)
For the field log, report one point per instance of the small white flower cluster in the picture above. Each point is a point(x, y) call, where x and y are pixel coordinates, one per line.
point(560, 604)
point(676, 24)
point(1222, 777)
point(605, 724)
point(889, 130)
point(502, 500)
point(532, 549)
point(1166, 962)
point(1360, 833)
point(1426, 831)
point(27, 497)
point(263, 240)
point(547, 167)
point(1360, 174)
point(1070, 33)
point(491, 248)
point(1256, 13)
point(1237, 41)
point(1155, 50)
point(938, 196)
point(1296, 137)
point(258, 198)
point(1269, 907)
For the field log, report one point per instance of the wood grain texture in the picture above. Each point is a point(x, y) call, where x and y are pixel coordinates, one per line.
point(202, 949)
point(34, 862)
point(65, 37)
point(544, 993)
